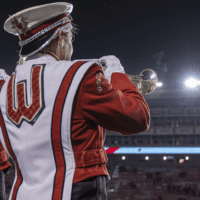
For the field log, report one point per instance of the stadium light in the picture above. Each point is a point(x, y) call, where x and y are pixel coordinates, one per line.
point(146, 157)
point(192, 83)
point(159, 84)
point(187, 158)
point(164, 157)
point(123, 157)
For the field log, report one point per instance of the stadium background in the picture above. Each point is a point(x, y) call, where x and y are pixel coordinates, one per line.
point(162, 163)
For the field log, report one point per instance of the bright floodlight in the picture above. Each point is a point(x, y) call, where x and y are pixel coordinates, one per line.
point(191, 83)
point(146, 157)
point(159, 84)
point(164, 157)
point(187, 158)
point(123, 157)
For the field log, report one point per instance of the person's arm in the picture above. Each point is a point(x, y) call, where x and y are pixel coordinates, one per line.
point(118, 106)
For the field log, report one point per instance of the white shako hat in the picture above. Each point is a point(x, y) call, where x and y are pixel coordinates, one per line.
point(38, 25)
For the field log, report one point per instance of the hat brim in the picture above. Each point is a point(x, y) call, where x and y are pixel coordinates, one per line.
point(36, 45)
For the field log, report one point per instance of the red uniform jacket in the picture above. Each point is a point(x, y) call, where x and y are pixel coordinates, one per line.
point(98, 105)
point(4, 164)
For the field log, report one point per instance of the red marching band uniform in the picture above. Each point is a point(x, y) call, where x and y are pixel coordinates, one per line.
point(4, 164)
point(53, 114)
point(119, 107)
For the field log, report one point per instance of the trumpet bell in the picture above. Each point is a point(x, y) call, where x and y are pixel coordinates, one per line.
point(149, 80)
point(149, 74)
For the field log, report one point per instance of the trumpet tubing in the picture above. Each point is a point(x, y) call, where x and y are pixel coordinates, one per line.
point(146, 81)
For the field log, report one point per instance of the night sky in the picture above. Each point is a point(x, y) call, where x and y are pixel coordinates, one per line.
point(161, 35)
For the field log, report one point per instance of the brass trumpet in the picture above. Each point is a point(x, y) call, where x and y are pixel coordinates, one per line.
point(146, 81)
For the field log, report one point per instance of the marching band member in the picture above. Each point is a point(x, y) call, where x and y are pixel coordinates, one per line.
point(54, 111)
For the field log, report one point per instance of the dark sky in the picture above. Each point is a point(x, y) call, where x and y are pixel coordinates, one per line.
point(157, 34)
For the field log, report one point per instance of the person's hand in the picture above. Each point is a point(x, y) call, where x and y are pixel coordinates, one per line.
point(3, 75)
point(112, 64)
point(147, 86)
